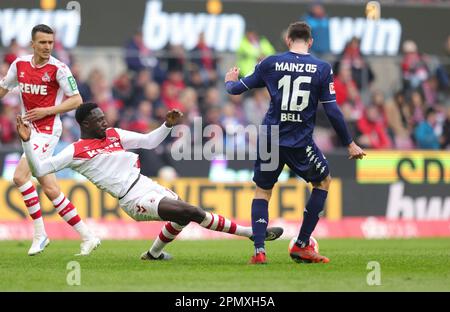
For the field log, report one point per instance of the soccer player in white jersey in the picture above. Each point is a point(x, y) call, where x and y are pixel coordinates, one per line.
point(43, 83)
point(102, 156)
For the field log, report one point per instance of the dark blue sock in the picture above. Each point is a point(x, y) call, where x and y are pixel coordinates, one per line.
point(260, 219)
point(311, 215)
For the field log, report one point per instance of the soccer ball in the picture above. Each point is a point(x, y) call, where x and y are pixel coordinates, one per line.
point(312, 242)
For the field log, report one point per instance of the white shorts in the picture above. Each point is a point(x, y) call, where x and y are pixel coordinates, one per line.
point(43, 144)
point(141, 202)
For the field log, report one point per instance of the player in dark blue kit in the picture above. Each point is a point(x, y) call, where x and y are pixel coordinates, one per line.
point(297, 83)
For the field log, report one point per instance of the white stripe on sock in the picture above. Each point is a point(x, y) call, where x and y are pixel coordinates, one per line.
point(227, 225)
point(63, 205)
point(29, 196)
point(207, 220)
point(215, 223)
point(167, 234)
point(33, 209)
point(72, 213)
point(25, 187)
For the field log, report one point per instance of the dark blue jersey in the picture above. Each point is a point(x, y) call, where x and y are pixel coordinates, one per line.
point(297, 83)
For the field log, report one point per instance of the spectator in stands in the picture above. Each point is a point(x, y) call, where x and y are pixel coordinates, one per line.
point(377, 100)
point(205, 60)
point(13, 52)
point(212, 99)
point(7, 126)
point(123, 89)
point(415, 71)
point(197, 82)
point(362, 73)
point(189, 100)
point(83, 85)
point(424, 133)
point(103, 96)
point(399, 119)
point(139, 81)
point(445, 137)
point(176, 59)
point(318, 20)
point(253, 48)
point(137, 55)
point(171, 89)
point(347, 94)
point(418, 107)
point(373, 134)
point(142, 120)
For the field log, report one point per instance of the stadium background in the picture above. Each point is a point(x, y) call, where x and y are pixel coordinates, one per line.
point(400, 190)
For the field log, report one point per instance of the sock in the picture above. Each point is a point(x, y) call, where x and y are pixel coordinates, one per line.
point(69, 213)
point(215, 222)
point(168, 233)
point(260, 219)
point(311, 215)
point(31, 199)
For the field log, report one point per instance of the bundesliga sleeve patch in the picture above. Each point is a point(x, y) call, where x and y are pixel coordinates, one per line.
point(72, 83)
point(332, 88)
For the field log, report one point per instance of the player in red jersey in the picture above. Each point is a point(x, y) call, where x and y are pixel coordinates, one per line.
point(43, 82)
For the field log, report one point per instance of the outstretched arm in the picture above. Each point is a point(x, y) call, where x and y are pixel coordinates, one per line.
point(328, 98)
point(133, 140)
point(42, 167)
point(336, 118)
point(238, 86)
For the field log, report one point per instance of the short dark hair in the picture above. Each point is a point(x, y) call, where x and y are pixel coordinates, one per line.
point(299, 30)
point(429, 111)
point(41, 28)
point(83, 111)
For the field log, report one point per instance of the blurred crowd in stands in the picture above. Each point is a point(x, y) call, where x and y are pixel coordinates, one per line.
point(416, 116)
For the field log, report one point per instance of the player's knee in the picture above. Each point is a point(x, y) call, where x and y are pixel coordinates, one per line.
point(51, 190)
point(190, 213)
point(263, 194)
point(20, 179)
point(324, 184)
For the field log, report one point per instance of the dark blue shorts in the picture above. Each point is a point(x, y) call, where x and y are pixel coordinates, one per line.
point(306, 162)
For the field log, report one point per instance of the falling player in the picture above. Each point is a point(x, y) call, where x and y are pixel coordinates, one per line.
point(297, 82)
point(101, 156)
point(43, 82)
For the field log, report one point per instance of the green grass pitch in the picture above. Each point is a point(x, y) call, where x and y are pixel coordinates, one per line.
point(221, 265)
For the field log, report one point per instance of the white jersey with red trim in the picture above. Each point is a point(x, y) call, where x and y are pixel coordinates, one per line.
point(105, 162)
point(41, 86)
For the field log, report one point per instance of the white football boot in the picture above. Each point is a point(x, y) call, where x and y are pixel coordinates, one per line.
point(39, 244)
point(87, 246)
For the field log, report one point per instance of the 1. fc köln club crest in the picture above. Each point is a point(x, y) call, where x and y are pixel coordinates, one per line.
point(46, 77)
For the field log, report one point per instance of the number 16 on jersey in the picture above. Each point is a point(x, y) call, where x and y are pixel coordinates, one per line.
point(299, 98)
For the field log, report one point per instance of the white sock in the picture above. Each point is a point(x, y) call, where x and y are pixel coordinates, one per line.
point(168, 233)
point(31, 199)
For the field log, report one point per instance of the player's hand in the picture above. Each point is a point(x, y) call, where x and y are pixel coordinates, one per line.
point(232, 74)
point(173, 117)
point(36, 114)
point(355, 152)
point(23, 129)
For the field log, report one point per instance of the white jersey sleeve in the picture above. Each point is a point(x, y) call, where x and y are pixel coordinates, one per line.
point(53, 164)
point(66, 80)
point(10, 81)
point(132, 140)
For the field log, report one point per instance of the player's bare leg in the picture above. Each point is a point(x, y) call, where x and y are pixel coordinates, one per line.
point(22, 176)
point(68, 212)
point(180, 213)
point(314, 208)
